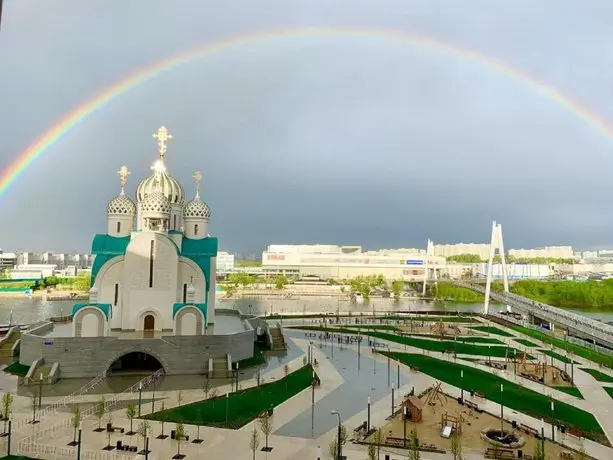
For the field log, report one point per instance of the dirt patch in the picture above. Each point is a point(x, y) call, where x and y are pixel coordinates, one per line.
point(429, 429)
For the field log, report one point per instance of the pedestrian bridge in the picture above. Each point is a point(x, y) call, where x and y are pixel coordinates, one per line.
point(578, 325)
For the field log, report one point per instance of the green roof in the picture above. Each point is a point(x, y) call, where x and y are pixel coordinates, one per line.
point(200, 306)
point(105, 307)
point(203, 247)
point(110, 245)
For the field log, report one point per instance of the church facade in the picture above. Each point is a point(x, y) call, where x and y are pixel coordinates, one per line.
point(154, 268)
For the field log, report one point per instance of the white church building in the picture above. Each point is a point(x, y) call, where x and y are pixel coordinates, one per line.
point(154, 268)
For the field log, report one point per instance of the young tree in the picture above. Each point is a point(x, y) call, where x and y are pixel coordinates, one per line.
point(163, 417)
point(7, 406)
point(143, 430)
point(344, 434)
point(259, 376)
point(109, 420)
point(213, 394)
point(254, 441)
point(378, 438)
point(198, 422)
point(75, 422)
point(582, 454)
point(372, 452)
point(206, 387)
point(333, 449)
point(414, 452)
point(99, 412)
point(456, 445)
point(266, 426)
point(130, 414)
point(179, 435)
point(538, 451)
point(286, 373)
point(179, 398)
point(34, 403)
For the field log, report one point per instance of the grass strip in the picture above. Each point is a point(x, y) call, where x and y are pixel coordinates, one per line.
point(558, 356)
point(256, 360)
point(573, 391)
point(242, 406)
point(385, 327)
point(515, 396)
point(599, 376)
point(591, 355)
point(492, 330)
point(432, 345)
point(609, 391)
point(17, 368)
point(526, 343)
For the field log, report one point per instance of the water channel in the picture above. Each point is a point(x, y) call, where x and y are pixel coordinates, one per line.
point(30, 310)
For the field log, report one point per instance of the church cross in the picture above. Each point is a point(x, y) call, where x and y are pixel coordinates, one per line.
point(197, 179)
point(162, 136)
point(123, 173)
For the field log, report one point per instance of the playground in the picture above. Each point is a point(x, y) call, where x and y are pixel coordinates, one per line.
point(437, 411)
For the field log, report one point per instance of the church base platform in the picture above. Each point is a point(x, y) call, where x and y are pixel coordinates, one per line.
point(88, 357)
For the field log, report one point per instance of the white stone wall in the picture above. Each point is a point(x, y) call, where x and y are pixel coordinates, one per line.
point(211, 294)
point(138, 298)
point(126, 225)
point(190, 228)
point(188, 270)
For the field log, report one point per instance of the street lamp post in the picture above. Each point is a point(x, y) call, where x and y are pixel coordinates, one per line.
point(368, 416)
point(392, 399)
point(8, 442)
point(501, 410)
point(79, 441)
point(462, 385)
point(388, 371)
point(552, 422)
point(339, 447)
point(40, 392)
point(153, 398)
point(398, 373)
point(543, 437)
point(227, 410)
point(140, 396)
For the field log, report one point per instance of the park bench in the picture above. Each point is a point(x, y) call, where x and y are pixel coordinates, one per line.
point(529, 430)
point(415, 368)
point(395, 441)
point(479, 395)
point(491, 452)
point(566, 456)
point(112, 429)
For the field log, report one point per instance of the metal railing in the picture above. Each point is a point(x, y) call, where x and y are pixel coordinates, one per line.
point(67, 423)
point(580, 323)
point(35, 450)
point(52, 408)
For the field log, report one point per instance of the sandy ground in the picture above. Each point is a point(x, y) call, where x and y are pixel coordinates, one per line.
point(553, 374)
point(428, 430)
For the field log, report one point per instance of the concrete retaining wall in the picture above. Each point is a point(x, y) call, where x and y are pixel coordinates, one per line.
point(179, 355)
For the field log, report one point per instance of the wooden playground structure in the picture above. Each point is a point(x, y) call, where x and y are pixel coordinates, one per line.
point(454, 421)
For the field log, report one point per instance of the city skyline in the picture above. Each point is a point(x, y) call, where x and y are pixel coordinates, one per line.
point(311, 137)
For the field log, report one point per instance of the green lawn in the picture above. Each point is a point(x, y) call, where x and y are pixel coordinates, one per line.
point(243, 406)
point(609, 390)
point(515, 396)
point(17, 368)
point(558, 356)
point(600, 376)
point(385, 327)
point(432, 345)
point(574, 391)
point(594, 356)
point(435, 319)
point(492, 330)
point(526, 343)
point(17, 457)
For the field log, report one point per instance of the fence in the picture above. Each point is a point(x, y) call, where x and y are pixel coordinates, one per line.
point(35, 450)
point(52, 408)
point(60, 427)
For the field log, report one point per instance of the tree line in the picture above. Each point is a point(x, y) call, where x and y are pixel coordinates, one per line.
point(475, 259)
point(570, 294)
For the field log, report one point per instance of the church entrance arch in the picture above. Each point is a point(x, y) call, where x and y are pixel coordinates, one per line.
point(135, 362)
point(149, 323)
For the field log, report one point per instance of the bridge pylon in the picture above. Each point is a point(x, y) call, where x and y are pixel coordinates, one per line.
point(429, 253)
point(496, 243)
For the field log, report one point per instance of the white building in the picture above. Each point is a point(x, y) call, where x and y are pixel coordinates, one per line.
point(448, 250)
point(32, 271)
point(548, 252)
point(155, 266)
point(225, 262)
point(346, 262)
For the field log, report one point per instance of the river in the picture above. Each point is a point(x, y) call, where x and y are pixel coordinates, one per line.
point(30, 310)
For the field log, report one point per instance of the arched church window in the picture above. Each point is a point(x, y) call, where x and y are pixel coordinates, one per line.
point(118, 227)
point(195, 229)
point(174, 222)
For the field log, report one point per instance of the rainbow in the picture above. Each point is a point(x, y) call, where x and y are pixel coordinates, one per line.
point(82, 112)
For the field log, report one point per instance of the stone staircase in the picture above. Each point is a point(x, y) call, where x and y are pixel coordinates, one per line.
point(220, 368)
point(45, 370)
point(276, 338)
point(6, 344)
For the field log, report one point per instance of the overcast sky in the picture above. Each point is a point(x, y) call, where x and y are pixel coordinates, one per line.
point(316, 139)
